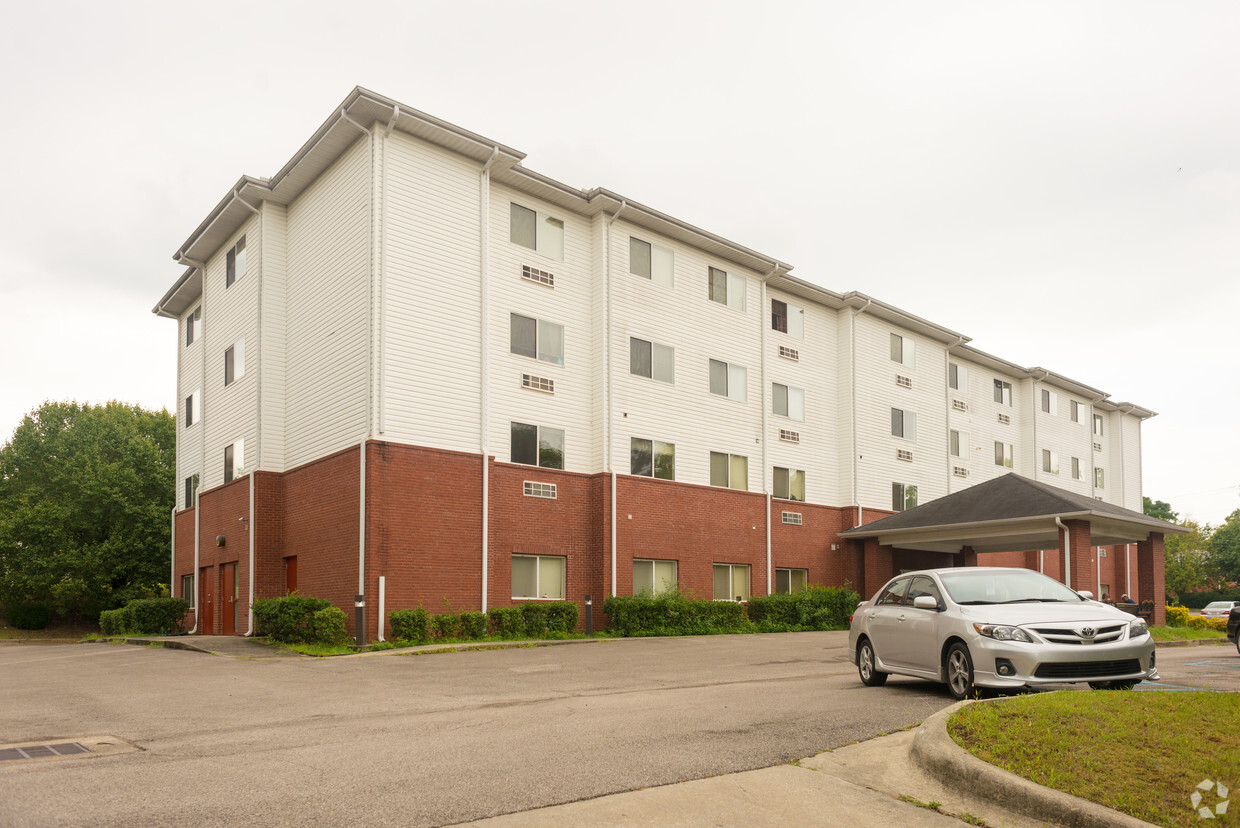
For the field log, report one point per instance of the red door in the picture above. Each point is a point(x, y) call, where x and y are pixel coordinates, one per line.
point(228, 607)
point(206, 595)
point(290, 574)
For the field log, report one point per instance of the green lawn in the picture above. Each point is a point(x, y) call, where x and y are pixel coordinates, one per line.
point(1183, 634)
point(1142, 753)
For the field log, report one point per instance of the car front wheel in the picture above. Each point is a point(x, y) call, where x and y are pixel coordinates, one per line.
point(870, 676)
point(959, 671)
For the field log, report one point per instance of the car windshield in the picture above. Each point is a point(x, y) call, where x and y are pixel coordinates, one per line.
point(1004, 587)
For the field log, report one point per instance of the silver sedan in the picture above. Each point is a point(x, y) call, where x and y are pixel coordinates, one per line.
point(998, 628)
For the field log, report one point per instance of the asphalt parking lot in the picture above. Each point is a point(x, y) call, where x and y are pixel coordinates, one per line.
point(438, 739)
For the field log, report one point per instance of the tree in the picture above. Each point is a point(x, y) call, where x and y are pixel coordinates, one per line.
point(1225, 550)
point(1184, 557)
point(1159, 509)
point(85, 497)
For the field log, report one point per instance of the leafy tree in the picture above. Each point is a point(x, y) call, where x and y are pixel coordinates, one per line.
point(1159, 509)
point(1185, 558)
point(1225, 550)
point(85, 497)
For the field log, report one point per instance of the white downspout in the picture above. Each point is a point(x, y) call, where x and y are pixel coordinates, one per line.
point(484, 229)
point(762, 319)
point(1098, 570)
point(250, 610)
point(361, 524)
point(853, 386)
point(197, 594)
point(1067, 555)
point(607, 373)
point(1041, 567)
point(947, 406)
point(172, 569)
point(1128, 569)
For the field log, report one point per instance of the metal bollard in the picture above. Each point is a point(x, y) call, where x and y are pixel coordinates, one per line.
point(589, 615)
point(359, 610)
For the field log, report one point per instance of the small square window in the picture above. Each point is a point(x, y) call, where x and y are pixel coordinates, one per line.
point(537, 231)
point(234, 263)
point(726, 289)
point(729, 471)
point(534, 445)
point(789, 484)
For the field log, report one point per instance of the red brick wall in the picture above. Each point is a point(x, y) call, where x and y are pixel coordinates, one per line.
point(809, 546)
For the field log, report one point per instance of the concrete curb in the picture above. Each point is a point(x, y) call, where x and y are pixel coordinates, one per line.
point(939, 755)
point(1193, 642)
point(171, 645)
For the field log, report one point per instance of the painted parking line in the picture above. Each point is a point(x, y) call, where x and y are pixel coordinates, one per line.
point(1234, 664)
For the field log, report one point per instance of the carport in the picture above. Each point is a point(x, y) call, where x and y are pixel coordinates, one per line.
point(1017, 515)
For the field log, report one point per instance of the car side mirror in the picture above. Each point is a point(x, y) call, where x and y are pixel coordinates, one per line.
point(1086, 594)
point(925, 602)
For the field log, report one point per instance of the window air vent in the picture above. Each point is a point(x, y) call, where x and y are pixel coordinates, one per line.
point(960, 471)
point(1097, 446)
point(789, 436)
point(789, 353)
point(536, 275)
point(960, 405)
point(536, 383)
point(792, 518)
point(904, 454)
point(546, 490)
point(1102, 553)
point(904, 382)
point(1006, 419)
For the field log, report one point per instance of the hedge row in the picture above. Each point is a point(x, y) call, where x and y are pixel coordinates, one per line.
point(146, 616)
point(671, 613)
point(815, 608)
point(532, 620)
point(296, 619)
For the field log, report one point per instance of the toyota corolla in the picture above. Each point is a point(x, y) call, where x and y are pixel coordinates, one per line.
point(997, 628)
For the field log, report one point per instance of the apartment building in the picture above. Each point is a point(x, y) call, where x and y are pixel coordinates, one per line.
point(412, 370)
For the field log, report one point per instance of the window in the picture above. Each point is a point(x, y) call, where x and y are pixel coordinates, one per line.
point(531, 488)
point(536, 338)
point(921, 585)
point(731, 582)
point(958, 444)
point(1003, 454)
point(728, 380)
point(191, 491)
point(894, 592)
point(538, 576)
point(727, 289)
point(787, 319)
point(729, 471)
point(234, 362)
point(789, 484)
point(957, 377)
point(903, 424)
point(787, 401)
point(187, 589)
point(1050, 402)
point(193, 326)
point(1003, 392)
point(902, 350)
point(193, 408)
point(234, 263)
point(903, 496)
point(1074, 409)
point(1050, 461)
point(650, 458)
point(1098, 424)
point(650, 359)
point(1099, 479)
point(537, 446)
point(790, 581)
point(653, 577)
point(650, 261)
point(234, 460)
point(1076, 468)
point(537, 231)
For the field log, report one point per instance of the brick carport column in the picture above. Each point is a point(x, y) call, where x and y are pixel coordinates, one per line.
point(966, 557)
point(879, 567)
point(1150, 583)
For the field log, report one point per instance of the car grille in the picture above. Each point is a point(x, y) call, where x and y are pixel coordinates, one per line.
point(1067, 635)
point(1088, 669)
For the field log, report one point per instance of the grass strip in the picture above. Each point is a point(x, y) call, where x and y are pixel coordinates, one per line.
point(1183, 634)
point(1143, 753)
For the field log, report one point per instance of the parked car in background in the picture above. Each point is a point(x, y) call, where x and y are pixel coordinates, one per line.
point(1233, 627)
point(1219, 609)
point(996, 627)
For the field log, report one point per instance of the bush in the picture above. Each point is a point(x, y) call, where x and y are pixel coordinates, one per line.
point(156, 616)
point(535, 617)
point(329, 626)
point(671, 613)
point(446, 625)
point(507, 622)
point(289, 619)
point(815, 608)
point(1177, 616)
point(409, 625)
point(115, 622)
point(562, 616)
point(1196, 622)
point(473, 624)
point(29, 616)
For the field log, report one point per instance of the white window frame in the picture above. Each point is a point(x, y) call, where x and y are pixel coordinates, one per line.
point(961, 381)
point(657, 587)
point(1099, 427)
point(538, 445)
point(193, 408)
point(235, 263)
point(735, 289)
point(1049, 402)
point(1074, 410)
point(554, 330)
point(734, 476)
point(737, 378)
point(190, 490)
point(1076, 469)
point(549, 244)
point(793, 316)
point(669, 359)
point(1005, 454)
point(660, 261)
point(733, 569)
point(236, 354)
point(792, 480)
point(790, 399)
point(958, 444)
point(1100, 478)
point(1003, 392)
point(234, 454)
point(1050, 461)
point(657, 447)
point(804, 575)
point(538, 563)
point(904, 424)
point(193, 326)
point(903, 497)
point(903, 350)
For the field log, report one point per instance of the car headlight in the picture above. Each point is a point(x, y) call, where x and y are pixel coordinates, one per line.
point(1138, 628)
point(1002, 632)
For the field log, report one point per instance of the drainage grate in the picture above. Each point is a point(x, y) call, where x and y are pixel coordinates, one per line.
point(41, 751)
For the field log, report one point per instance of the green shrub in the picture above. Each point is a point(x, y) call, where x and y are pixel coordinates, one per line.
point(29, 616)
point(1197, 622)
point(329, 626)
point(446, 625)
point(289, 619)
point(409, 625)
point(671, 613)
point(562, 616)
point(114, 622)
point(1178, 616)
point(535, 617)
point(507, 622)
point(473, 625)
point(157, 616)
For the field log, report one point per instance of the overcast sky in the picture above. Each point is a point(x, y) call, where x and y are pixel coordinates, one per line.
point(1059, 181)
